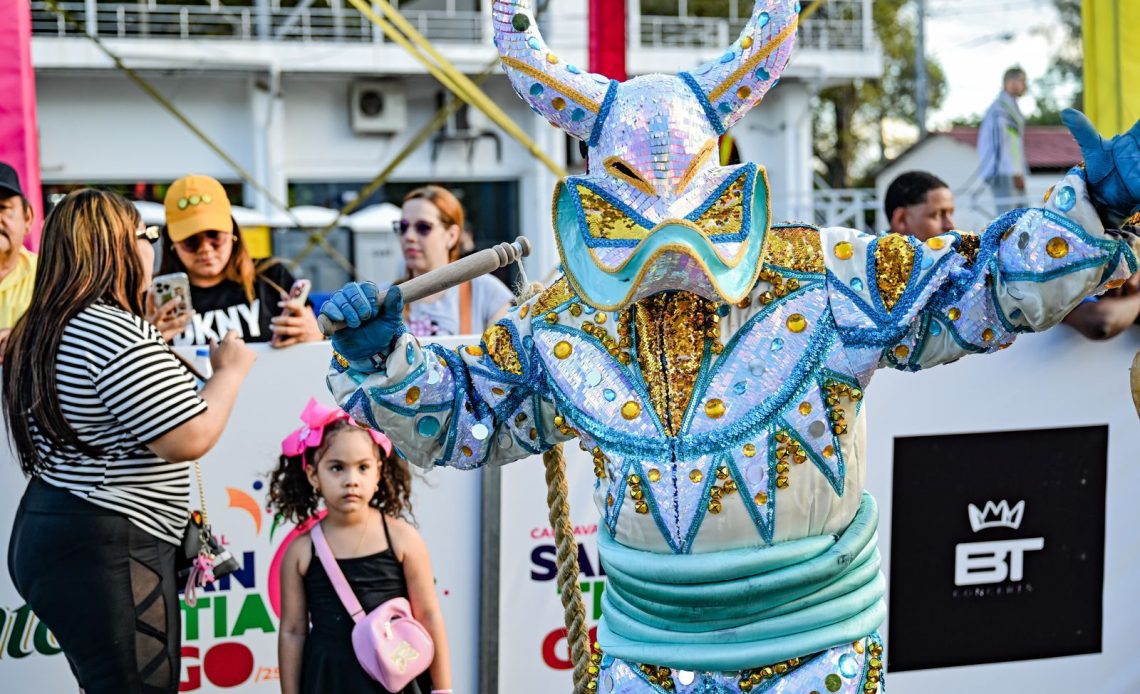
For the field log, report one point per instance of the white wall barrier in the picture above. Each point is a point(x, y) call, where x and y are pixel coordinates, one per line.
point(1046, 426)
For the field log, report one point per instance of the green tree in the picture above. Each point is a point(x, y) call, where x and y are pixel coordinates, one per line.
point(1062, 85)
point(848, 118)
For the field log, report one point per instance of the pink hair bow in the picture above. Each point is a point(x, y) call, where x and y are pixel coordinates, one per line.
point(316, 417)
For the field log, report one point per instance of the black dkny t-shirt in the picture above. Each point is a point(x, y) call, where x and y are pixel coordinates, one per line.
point(224, 307)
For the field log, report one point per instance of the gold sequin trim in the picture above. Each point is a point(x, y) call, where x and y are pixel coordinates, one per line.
point(968, 246)
point(670, 338)
point(501, 349)
point(636, 181)
point(552, 297)
point(606, 221)
point(695, 165)
point(894, 259)
point(573, 94)
point(726, 215)
point(750, 65)
point(794, 248)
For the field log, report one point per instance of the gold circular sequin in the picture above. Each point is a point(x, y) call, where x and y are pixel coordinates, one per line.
point(1057, 247)
point(828, 451)
point(844, 250)
point(987, 334)
point(714, 408)
point(805, 408)
point(761, 498)
point(696, 476)
point(466, 451)
point(630, 410)
point(563, 349)
point(796, 322)
point(552, 318)
point(524, 310)
point(551, 58)
point(474, 350)
point(575, 309)
point(653, 474)
point(953, 313)
point(746, 42)
point(413, 395)
point(902, 351)
point(749, 450)
point(533, 433)
point(599, 318)
point(558, 103)
point(498, 391)
point(935, 243)
point(743, 93)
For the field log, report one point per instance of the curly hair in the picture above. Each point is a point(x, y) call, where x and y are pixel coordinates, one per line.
point(295, 500)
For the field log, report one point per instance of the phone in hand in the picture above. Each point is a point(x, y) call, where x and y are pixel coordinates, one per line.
point(175, 285)
point(300, 291)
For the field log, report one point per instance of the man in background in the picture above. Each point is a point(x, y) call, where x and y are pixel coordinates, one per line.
point(919, 204)
point(1001, 144)
point(17, 264)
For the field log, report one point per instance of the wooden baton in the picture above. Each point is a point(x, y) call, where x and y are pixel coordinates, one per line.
point(448, 276)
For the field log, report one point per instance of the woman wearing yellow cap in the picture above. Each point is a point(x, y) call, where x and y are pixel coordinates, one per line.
point(227, 290)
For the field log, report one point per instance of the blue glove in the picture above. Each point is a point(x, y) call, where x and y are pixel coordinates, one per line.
point(1113, 166)
point(371, 328)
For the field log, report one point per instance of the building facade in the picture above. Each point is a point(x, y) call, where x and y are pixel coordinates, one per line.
point(312, 100)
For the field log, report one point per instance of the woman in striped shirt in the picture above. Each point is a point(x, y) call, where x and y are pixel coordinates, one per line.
point(104, 418)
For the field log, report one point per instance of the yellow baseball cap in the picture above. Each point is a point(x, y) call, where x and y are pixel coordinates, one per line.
point(195, 204)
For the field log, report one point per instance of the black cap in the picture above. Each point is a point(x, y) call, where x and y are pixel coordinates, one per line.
point(9, 181)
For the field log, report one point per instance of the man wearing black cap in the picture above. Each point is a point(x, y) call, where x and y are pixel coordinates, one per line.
point(17, 264)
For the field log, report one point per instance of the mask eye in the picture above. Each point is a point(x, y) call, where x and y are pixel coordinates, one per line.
point(623, 171)
point(725, 215)
point(606, 221)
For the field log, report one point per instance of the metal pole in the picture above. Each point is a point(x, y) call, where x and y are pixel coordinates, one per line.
point(920, 86)
point(91, 14)
point(264, 26)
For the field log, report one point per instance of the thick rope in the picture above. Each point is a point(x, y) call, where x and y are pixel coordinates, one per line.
point(577, 634)
point(566, 547)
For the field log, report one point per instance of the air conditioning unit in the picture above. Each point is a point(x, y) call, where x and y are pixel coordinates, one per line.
point(378, 108)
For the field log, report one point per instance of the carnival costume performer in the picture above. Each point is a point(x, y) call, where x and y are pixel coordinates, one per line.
point(714, 364)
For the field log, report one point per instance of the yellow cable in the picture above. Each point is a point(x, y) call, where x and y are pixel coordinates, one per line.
point(456, 82)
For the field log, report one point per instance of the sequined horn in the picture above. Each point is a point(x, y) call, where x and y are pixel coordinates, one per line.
point(729, 85)
point(565, 95)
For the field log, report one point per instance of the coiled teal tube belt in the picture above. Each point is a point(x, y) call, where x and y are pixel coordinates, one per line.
point(742, 608)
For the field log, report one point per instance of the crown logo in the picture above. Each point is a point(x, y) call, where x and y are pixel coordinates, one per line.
point(999, 515)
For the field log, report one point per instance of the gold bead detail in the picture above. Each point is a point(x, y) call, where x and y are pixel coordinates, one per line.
point(714, 408)
point(563, 349)
point(653, 474)
point(695, 476)
point(987, 334)
point(902, 352)
point(630, 410)
point(1057, 247)
point(935, 243)
point(805, 408)
point(474, 350)
point(761, 498)
point(413, 395)
point(749, 450)
point(954, 313)
point(796, 323)
point(844, 250)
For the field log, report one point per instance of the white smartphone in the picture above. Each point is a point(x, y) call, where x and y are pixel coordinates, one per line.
point(300, 291)
point(167, 287)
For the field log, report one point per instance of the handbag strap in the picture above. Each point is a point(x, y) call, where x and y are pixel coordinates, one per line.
point(201, 493)
point(339, 582)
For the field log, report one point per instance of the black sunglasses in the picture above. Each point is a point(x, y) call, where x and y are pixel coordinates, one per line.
point(214, 237)
point(422, 227)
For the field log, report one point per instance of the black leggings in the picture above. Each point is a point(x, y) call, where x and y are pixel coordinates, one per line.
point(105, 589)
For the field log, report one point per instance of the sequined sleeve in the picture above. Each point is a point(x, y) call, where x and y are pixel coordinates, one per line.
point(911, 305)
point(464, 407)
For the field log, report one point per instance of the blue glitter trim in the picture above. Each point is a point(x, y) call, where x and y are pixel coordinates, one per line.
point(650, 499)
point(814, 354)
point(702, 507)
point(837, 484)
point(1054, 273)
point(612, 513)
point(603, 113)
point(583, 227)
point(765, 524)
point(703, 100)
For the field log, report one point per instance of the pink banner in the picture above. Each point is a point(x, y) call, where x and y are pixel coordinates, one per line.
point(19, 145)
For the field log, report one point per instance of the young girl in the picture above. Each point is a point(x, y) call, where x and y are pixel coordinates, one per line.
point(365, 487)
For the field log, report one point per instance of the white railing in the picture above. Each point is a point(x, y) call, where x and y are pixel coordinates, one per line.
point(218, 21)
point(838, 25)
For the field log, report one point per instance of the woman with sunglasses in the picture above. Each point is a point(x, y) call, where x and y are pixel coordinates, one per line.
point(430, 223)
point(227, 290)
point(103, 419)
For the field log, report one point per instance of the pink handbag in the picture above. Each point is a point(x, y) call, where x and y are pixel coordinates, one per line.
point(391, 646)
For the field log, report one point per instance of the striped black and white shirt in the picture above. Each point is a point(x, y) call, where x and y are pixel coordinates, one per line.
point(120, 387)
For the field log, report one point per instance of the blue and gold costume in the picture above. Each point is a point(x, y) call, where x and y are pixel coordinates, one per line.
point(714, 364)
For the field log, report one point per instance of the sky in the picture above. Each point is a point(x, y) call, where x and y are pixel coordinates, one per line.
point(966, 38)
